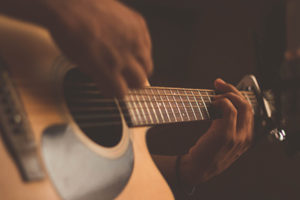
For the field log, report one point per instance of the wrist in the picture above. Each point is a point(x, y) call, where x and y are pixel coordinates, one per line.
point(184, 181)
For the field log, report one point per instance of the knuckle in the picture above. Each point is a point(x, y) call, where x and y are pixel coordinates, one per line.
point(229, 140)
point(231, 93)
point(229, 107)
point(232, 111)
point(248, 108)
point(245, 105)
point(226, 102)
point(231, 87)
point(141, 20)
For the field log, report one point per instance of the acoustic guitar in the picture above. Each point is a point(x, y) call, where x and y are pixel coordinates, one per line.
point(61, 139)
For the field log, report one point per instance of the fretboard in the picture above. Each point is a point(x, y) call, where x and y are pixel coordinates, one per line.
point(161, 105)
point(140, 107)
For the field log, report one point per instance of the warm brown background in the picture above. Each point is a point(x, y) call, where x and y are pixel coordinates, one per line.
point(194, 42)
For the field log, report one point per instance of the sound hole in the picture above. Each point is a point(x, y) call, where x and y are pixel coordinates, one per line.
point(98, 117)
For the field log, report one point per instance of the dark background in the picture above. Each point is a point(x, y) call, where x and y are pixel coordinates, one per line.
point(195, 42)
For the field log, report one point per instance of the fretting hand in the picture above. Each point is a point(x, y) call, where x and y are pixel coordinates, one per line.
point(224, 142)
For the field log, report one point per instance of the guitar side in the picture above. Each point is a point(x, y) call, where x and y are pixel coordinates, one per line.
point(30, 52)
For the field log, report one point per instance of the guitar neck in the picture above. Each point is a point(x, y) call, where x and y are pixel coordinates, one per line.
point(161, 105)
point(141, 107)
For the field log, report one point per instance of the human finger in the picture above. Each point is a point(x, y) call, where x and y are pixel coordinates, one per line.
point(223, 87)
point(244, 109)
point(112, 85)
point(144, 57)
point(227, 123)
point(134, 74)
point(142, 45)
point(241, 104)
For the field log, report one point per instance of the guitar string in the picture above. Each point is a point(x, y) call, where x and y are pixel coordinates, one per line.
point(143, 92)
point(128, 115)
point(136, 125)
point(151, 87)
point(140, 123)
point(128, 96)
point(109, 108)
point(96, 92)
point(102, 100)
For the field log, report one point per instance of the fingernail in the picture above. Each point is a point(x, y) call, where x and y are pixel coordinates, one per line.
point(221, 81)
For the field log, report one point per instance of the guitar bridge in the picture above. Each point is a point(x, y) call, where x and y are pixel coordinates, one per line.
point(15, 130)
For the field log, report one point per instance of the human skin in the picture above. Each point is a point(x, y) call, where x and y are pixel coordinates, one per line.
point(223, 143)
point(105, 39)
point(111, 43)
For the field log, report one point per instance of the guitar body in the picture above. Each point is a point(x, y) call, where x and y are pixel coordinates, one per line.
point(75, 166)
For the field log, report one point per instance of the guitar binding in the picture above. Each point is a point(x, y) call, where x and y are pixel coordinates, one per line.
point(16, 131)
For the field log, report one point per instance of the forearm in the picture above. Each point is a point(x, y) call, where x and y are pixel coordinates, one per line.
point(176, 172)
point(172, 173)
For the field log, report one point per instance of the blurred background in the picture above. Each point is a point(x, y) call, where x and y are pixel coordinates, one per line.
point(195, 42)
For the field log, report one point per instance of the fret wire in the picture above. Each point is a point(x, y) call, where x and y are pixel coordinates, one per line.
point(198, 106)
point(208, 96)
point(170, 106)
point(177, 106)
point(178, 113)
point(251, 94)
point(87, 116)
point(147, 107)
point(149, 87)
point(83, 125)
point(177, 89)
point(142, 124)
point(162, 117)
point(163, 102)
point(157, 120)
point(133, 105)
point(143, 116)
point(97, 92)
point(92, 84)
point(149, 100)
point(194, 104)
point(105, 108)
point(184, 108)
point(191, 105)
point(97, 116)
point(209, 102)
point(101, 100)
point(169, 122)
point(130, 110)
point(203, 102)
point(177, 101)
